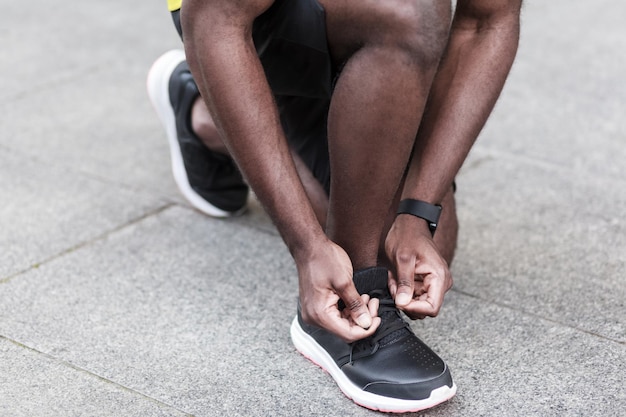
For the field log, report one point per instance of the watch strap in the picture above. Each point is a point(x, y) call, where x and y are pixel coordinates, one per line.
point(423, 210)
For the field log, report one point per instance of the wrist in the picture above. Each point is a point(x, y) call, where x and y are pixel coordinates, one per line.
point(303, 250)
point(427, 212)
point(415, 226)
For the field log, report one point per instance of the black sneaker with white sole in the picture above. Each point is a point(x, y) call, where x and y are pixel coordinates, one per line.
point(210, 181)
point(392, 370)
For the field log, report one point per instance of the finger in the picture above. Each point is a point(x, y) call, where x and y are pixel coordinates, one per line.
point(436, 293)
point(405, 279)
point(432, 288)
point(347, 330)
point(427, 304)
point(372, 306)
point(355, 305)
point(345, 313)
point(421, 308)
point(419, 289)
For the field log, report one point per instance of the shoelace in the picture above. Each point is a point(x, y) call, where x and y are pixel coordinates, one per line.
point(391, 322)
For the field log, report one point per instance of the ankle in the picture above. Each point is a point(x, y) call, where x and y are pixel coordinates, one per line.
point(204, 128)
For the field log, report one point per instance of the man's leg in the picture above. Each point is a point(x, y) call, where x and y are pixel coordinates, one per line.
point(391, 51)
point(189, 120)
point(391, 370)
point(388, 52)
point(204, 127)
point(448, 228)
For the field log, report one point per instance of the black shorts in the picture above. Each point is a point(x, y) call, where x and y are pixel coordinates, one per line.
point(290, 38)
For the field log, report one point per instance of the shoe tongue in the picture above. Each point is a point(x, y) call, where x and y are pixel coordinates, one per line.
point(392, 327)
point(370, 279)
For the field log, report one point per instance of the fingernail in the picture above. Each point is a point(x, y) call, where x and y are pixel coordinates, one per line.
point(364, 321)
point(403, 299)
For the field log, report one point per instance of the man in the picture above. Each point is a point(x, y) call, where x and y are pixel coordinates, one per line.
point(349, 119)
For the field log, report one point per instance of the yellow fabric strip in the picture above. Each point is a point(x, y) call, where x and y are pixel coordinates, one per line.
point(174, 4)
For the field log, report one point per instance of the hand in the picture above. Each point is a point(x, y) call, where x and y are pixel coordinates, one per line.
point(325, 277)
point(422, 276)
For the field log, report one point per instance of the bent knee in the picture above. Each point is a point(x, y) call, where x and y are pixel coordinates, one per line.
point(418, 27)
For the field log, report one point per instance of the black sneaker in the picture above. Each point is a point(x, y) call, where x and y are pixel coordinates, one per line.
point(209, 180)
point(392, 370)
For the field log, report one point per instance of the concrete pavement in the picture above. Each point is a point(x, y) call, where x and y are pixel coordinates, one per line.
point(118, 299)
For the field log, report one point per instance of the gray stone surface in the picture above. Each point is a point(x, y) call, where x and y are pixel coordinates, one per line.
point(117, 299)
point(33, 384)
point(196, 326)
point(48, 209)
point(564, 101)
point(73, 88)
point(507, 362)
point(549, 241)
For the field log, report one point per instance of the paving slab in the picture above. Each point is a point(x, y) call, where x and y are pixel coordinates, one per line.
point(47, 210)
point(547, 240)
point(85, 87)
point(507, 362)
point(565, 98)
point(95, 125)
point(50, 45)
point(195, 314)
point(36, 385)
point(167, 305)
point(135, 305)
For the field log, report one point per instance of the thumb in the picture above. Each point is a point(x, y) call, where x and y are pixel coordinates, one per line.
point(405, 280)
point(354, 303)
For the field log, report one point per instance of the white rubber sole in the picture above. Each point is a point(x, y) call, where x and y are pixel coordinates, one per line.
point(310, 349)
point(158, 91)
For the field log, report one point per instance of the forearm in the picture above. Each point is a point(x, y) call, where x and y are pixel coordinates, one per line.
point(464, 91)
point(224, 63)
